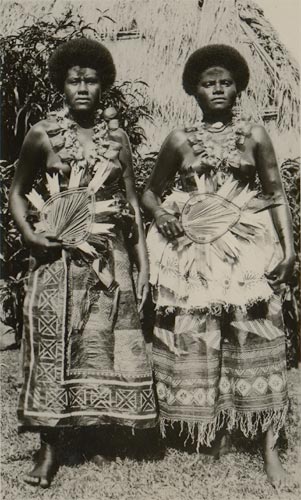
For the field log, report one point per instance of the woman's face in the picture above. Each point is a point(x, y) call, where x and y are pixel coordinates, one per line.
point(216, 91)
point(82, 89)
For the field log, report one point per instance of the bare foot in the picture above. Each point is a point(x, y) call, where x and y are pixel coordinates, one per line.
point(45, 468)
point(100, 460)
point(221, 445)
point(276, 474)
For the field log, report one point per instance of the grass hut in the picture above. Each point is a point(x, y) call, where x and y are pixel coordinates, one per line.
point(165, 33)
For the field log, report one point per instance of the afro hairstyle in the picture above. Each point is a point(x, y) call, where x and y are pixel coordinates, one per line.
point(85, 53)
point(215, 55)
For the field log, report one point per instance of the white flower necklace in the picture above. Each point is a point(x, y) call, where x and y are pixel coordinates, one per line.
point(104, 149)
point(213, 154)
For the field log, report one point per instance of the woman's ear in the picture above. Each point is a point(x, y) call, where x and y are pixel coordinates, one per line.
point(237, 99)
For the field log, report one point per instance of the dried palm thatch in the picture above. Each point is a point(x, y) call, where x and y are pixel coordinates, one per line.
point(169, 31)
point(151, 40)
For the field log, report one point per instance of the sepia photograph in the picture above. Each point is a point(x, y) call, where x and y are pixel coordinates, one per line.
point(150, 250)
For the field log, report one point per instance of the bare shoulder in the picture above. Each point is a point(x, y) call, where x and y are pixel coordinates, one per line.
point(36, 143)
point(176, 138)
point(38, 132)
point(259, 134)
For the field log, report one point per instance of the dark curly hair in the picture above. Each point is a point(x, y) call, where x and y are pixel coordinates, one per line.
point(85, 53)
point(215, 55)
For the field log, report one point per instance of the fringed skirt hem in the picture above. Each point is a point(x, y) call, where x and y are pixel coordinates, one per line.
point(203, 433)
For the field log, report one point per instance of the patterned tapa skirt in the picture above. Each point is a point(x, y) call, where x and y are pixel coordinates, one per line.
point(219, 345)
point(85, 361)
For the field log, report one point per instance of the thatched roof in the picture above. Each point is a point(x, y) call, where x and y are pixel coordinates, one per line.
point(151, 39)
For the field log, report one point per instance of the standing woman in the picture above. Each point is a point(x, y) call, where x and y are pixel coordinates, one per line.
point(84, 356)
point(219, 346)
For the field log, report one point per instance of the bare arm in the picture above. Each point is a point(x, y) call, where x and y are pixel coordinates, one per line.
point(140, 251)
point(168, 163)
point(32, 156)
point(270, 178)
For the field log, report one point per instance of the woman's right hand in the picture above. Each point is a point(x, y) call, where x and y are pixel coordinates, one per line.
point(168, 224)
point(282, 272)
point(43, 246)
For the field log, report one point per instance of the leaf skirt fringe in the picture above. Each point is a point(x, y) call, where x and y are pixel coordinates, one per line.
point(190, 275)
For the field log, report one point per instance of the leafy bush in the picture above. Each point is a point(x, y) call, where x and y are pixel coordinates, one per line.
point(290, 172)
point(27, 94)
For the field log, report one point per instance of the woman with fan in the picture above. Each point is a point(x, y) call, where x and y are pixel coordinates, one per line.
point(217, 268)
point(85, 362)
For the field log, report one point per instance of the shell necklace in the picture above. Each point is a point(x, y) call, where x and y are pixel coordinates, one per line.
point(103, 148)
point(217, 127)
point(214, 154)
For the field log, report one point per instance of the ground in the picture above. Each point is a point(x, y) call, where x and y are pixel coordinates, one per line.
point(149, 472)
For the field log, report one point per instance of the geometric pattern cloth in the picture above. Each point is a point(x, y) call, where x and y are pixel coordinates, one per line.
point(83, 365)
point(85, 360)
point(226, 369)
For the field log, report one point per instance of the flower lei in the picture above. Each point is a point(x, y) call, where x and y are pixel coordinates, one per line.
point(212, 154)
point(104, 149)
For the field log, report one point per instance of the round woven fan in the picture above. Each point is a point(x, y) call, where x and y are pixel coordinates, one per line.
point(68, 215)
point(206, 217)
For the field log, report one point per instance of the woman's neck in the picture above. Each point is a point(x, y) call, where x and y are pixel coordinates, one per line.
point(83, 119)
point(210, 118)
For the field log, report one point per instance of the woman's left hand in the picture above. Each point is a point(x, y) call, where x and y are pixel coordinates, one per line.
point(282, 272)
point(142, 289)
point(124, 208)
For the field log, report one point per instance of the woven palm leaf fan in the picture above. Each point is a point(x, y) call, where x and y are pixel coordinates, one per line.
point(206, 217)
point(69, 215)
point(221, 218)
